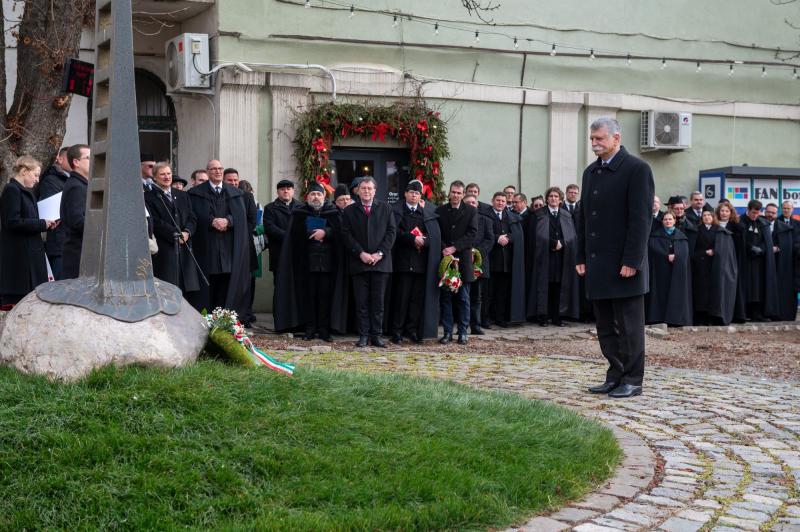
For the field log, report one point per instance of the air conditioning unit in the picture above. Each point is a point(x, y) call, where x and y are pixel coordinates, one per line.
point(666, 131)
point(187, 59)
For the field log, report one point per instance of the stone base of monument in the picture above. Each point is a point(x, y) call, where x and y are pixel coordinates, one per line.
point(67, 342)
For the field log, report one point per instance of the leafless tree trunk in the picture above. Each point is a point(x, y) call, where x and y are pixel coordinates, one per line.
point(34, 122)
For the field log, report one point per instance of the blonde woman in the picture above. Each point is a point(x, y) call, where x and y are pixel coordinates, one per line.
point(22, 259)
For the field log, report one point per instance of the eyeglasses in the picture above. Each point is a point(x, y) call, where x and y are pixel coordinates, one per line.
point(149, 166)
point(215, 169)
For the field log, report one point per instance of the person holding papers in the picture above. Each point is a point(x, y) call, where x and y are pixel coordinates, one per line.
point(23, 264)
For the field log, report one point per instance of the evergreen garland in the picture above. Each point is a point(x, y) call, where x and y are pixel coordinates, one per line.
point(410, 122)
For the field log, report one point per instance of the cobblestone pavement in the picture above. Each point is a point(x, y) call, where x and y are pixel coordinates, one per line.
point(703, 451)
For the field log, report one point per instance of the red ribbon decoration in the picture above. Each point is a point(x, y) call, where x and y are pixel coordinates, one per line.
point(319, 144)
point(380, 131)
point(325, 180)
point(422, 125)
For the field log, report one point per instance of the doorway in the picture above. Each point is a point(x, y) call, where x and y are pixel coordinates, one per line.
point(389, 168)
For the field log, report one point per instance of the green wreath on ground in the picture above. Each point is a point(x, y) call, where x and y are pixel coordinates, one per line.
point(410, 122)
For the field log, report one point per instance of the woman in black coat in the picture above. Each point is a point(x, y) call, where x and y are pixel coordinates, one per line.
point(23, 264)
point(728, 219)
point(669, 299)
point(714, 273)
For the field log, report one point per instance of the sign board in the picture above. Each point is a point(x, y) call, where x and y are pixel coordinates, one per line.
point(766, 190)
point(790, 191)
point(78, 77)
point(711, 187)
point(737, 190)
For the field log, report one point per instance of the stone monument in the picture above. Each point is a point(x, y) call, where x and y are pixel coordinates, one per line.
point(116, 312)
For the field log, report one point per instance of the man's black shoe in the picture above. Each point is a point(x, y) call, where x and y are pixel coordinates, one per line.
point(362, 341)
point(462, 338)
point(446, 339)
point(309, 336)
point(377, 341)
point(477, 330)
point(559, 324)
point(604, 388)
point(325, 337)
point(486, 325)
point(397, 339)
point(503, 324)
point(542, 323)
point(414, 338)
point(625, 390)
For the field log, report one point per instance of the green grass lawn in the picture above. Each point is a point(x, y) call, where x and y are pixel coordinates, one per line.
point(219, 447)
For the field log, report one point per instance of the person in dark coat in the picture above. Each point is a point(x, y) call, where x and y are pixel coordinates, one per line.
point(231, 177)
point(616, 213)
point(478, 291)
point(677, 206)
point(174, 223)
point(506, 262)
point(276, 220)
point(312, 287)
point(415, 290)
point(23, 265)
point(221, 243)
point(784, 249)
point(73, 209)
point(758, 266)
point(670, 298)
point(473, 189)
point(714, 272)
point(341, 197)
point(697, 206)
point(728, 219)
point(553, 290)
point(657, 214)
point(459, 226)
point(368, 231)
point(51, 183)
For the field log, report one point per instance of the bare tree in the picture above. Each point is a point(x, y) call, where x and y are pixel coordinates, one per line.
point(35, 121)
point(480, 8)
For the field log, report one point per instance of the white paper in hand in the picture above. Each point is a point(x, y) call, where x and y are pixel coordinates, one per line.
point(50, 208)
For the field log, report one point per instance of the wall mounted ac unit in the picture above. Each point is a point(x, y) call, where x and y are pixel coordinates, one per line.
point(187, 57)
point(665, 131)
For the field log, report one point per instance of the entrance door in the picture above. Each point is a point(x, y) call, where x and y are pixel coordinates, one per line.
point(389, 168)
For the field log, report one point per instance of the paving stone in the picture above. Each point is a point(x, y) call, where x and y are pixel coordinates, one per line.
point(617, 525)
point(591, 527)
point(677, 524)
point(661, 501)
point(695, 515)
point(598, 501)
point(633, 517)
point(543, 524)
point(741, 523)
point(743, 513)
point(574, 515)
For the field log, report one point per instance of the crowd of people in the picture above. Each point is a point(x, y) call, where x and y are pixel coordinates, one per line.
point(354, 263)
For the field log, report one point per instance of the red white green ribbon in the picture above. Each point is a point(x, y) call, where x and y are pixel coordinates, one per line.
point(263, 359)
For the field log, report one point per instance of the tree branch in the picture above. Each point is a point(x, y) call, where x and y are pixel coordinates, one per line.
point(477, 8)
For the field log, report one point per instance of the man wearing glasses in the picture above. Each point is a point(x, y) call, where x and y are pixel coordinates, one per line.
point(73, 208)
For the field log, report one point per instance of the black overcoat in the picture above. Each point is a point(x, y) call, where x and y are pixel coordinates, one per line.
point(276, 221)
point(782, 236)
point(616, 212)
point(459, 227)
point(73, 214)
point(539, 242)
point(767, 283)
point(669, 299)
point(429, 321)
point(173, 263)
point(369, 234)
point(290, 288)
point(201, 198)
point(51, 183)
point(724, 277)
point(484, 240)
point(22, 257)
point(739, 307)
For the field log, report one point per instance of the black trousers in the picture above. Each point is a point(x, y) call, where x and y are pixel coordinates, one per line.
point(477, 295)
point(317, 306)
point(620, 330)
point(499, 297)
point(218, 290)
point(369, 292)
point(554, 302)
point(408, 296)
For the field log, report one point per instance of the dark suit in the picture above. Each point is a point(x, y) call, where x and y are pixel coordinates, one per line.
point(479, 291)
point(459, 228)
point(500, 264)
point(694, 217)
point(51, 184)
point(173, 263)
point(73, 214)
point(276, 221)
point(410, 268)
point(373, 233)
point(614, 225)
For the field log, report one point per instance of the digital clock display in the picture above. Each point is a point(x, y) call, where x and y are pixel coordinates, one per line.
point(78, 77)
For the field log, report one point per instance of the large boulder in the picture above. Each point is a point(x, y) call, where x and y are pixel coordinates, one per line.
point(68, 342)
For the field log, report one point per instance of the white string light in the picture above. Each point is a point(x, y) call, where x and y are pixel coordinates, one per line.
point(437, 26)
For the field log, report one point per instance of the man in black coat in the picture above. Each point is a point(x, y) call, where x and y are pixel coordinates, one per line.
point(697, 205)
point(478, 291)
point(415, 291)
point(473, 189)
point(221, 243)
point(614, 225)
point(51, 183)
point(231, 177)
point(506, 262)
point(174, 223)
point(759, 286)
point(459, 225)
point(368, 231)
point(784, 247)
point(311, 278)
point(73, 209)
point(276, 221)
